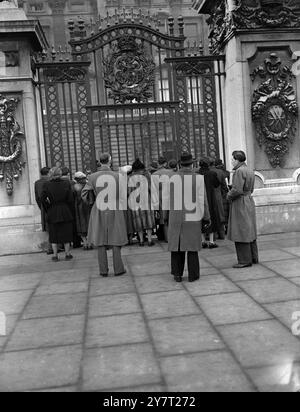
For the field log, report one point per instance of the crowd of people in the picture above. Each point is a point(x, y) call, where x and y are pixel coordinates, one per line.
point(71, 215)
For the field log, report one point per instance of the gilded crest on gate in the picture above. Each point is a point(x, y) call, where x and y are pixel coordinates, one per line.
point(275, 109)
point(11, 162)
point(129, 72)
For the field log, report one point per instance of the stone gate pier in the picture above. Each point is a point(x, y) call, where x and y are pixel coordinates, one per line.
point(20, 145)
point(261, 42)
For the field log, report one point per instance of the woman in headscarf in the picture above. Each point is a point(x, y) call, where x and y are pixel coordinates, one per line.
point(57, 198)
point(142, 215)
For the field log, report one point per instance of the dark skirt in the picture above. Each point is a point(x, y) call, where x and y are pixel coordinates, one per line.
point(61, 232)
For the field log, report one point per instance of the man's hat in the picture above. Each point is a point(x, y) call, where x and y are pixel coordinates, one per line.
point(79, 175)
point(186, 159)
point(162, 160)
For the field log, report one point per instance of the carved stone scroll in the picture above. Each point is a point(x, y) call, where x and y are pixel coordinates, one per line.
point(11, 162)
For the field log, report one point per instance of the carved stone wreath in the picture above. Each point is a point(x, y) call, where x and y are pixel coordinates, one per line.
point(275, 109)
point(129, 72)
point(11, 162)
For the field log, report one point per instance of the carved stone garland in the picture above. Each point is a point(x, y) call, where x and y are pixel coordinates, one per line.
point(274, 109)
point(11, 162)
point(129, 71)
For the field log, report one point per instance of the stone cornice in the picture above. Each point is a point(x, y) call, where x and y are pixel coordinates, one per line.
point(25, 28)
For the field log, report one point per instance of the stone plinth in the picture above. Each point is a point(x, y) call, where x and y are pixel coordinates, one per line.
point(260, 41)
point(20, 228)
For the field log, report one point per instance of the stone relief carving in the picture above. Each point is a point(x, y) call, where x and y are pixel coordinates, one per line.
point(274, 109)
point(11, 162)
point(129, 71)
point(250, 14)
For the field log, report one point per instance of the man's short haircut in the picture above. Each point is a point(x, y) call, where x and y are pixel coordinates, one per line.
point(45, 171)
point(239, 155)
point(104, 158)
point(65, 171)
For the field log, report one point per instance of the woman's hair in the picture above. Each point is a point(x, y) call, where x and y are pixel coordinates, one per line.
point(138, 165)
point(239, 155)
point(204, 162)
point(55, 173)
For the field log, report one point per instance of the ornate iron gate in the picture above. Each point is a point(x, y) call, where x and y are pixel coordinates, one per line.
point(126, 88)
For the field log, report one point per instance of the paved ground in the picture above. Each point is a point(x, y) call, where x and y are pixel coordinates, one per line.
point(70, 330)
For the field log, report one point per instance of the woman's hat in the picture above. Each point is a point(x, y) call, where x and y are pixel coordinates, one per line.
point(186, 159)
point(79, 175)
point(138, 165)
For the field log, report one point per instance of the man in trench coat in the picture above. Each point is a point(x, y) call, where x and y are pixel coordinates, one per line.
point(107, 228)
point(242, 216)
point(185, 227)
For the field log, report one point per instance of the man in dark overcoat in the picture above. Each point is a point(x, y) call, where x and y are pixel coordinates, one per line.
point(38, 189)
point(185, 226)
point(107, 228)
point(242, 216)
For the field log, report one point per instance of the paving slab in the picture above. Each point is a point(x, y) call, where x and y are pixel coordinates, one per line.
point(124, 303)
point(142, 388)
point(253, 273)
point(19, 282)
point(204, 372)
point(153, 268)
point(116, 330)
point(211, 286)
point(183, 335)
point(284, 377)
point(294, 250)
point(284, 311)
point(224, 261)
point(13, 302)
point(55, 305)
point(59, 288)
point(67, 276)
point(168, 304)
point(261, 343)
point(117, 367)
point(112, 285)
point(274, 254)
point(156, 283)
point(271, 290)
point(41, 368)
point(286, 268)
point(10, 323)
point(231, 308)
point(38, 333)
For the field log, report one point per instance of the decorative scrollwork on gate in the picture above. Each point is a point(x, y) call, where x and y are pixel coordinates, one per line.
point(11, 162)
point(275, 109)
point(64, 74)
point(129, 72)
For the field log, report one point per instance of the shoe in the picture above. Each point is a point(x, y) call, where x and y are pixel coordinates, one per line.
point(55, 259)
point(142, 244)
point(120, 274)
point(212, 245)
point(85, 248)
point(255, 262)
point(50, 252)
point(178, 279)
point(193, 279)
point(104, 275)
point(69, 257)
point(204, 245)
point(242, 265)
point(150, 244)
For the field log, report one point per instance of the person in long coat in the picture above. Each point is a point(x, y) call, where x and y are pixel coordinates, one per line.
point(57, 199)
point(161, 173)
point(224, 190)
point(219, 196)
point(211, 184)
point(242, 217)
point(143, 220)
point(185, 234)
point(38, 189)
point(82, 209)
point(107, 228)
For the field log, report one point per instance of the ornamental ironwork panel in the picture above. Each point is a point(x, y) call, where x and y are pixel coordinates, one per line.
point(275, 109)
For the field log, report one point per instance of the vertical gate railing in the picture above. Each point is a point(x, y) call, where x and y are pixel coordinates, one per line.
point(200, 114)
point(65, 94)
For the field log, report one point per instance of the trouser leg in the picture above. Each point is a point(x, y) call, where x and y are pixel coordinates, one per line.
point(102, 260)
point(177, 263)
point(244, 254)
point(117, 260)
point(254, 252)
point(193, 266)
